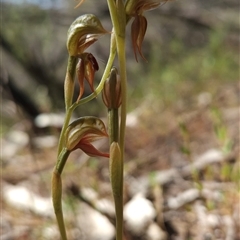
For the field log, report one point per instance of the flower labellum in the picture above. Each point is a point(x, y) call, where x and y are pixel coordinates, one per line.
point(83, 32)
point(82, 132)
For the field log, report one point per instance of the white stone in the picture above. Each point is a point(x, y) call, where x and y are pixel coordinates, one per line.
point(12, 143)
point(49, 120)
point(183, 198)
point(45, 141)
point(94, 225)
point(22, 198)
point(50, 232)
point(18, 137)
point(213, 220)
point(154, 232)
point(138, 214)
point(132, 119)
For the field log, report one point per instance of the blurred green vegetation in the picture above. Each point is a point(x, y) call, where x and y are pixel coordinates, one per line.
point(192, 56)
point(176, 72)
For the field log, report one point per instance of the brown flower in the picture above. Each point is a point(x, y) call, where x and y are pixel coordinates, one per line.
point(82, 132)
point(138, 29)
point(135, 9)
point(86, 68)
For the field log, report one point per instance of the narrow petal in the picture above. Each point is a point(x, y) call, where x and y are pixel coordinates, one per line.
point(80, 75)
point(139, 27)
point(91, 66)
point(142, 31)
point(94, 62)
point(89, 75)
point(134, 33)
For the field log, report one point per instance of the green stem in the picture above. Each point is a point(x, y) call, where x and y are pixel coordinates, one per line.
point(122, 65)
point(118, 17)
point(113, 125)
point(57, 203)
point(64, 127)
point(118, 200)
point(62, 159)
point(117, 191)
point(57, 191)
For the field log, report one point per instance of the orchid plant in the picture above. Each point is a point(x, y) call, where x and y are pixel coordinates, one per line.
point(80, 134)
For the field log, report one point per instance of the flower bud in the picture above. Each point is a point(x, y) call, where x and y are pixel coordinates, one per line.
point(112, 96)
point(83, 32)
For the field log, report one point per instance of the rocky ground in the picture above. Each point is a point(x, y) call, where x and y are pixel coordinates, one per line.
point(181, 175)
